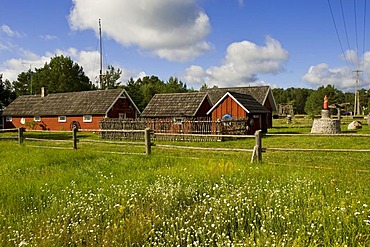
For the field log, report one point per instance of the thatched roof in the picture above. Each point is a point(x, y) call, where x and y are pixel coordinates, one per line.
point(64, 104)
point(247, 102)
point(174, 105)
point(259, 93)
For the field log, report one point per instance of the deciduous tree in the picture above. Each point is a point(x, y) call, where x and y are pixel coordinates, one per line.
point(61, 74)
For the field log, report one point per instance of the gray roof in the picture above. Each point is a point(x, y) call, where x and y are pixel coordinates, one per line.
point(247, 102)
point(72, 103)
point(175, 105)
point(259, 93)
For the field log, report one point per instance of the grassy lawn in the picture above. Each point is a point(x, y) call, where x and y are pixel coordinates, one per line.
point(180, 197)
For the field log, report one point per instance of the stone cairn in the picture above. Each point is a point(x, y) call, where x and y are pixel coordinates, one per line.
point(325, 124)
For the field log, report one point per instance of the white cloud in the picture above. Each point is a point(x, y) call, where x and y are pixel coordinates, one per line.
point(243, 62)
point(13, 67)
point(48, 37)
point(88, 60)
point(9, 32)
point(174, 30)
point(342, 78)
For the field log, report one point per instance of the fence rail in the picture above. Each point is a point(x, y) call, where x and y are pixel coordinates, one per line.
point(257, 150)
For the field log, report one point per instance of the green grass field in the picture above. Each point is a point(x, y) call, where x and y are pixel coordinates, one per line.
point(180, 197)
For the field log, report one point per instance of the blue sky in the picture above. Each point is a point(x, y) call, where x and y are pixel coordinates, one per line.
point(218, 42)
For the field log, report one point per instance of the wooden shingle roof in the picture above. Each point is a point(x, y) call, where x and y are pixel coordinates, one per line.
point(60, 104)
point(259, 93)
point(175, 105)
point(247, 102)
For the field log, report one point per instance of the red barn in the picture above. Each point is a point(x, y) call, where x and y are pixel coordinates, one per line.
point(241, 106)
point(63, 111)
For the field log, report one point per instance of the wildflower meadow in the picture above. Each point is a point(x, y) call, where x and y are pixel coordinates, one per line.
point(52, 197)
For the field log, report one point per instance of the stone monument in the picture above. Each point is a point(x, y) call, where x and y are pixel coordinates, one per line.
point(326, 125)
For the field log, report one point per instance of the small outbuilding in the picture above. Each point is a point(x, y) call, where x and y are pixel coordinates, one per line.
point(168, 112)
point(262, 94)
point(178, 105)
point(64, 111)
point(234, 105)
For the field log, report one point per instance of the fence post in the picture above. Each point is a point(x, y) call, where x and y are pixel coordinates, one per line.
point(74, 135)
point(148, 148)
point(20, 135)
point(258, 146)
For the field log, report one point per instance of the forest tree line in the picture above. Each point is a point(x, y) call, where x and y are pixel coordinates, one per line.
point(310, 101)
point(62, 74)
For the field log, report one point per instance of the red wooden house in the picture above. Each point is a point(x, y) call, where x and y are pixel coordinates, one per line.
point(63, 111)
point(241, 106)
point(262, 94)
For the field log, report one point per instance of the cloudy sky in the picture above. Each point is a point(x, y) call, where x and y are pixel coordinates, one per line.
point(217, 42)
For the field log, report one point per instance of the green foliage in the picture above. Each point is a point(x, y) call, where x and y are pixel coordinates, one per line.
point(173, 85)
point(32, 125)
point(314, 103)
point(111, 77)
point(61, 74)
point(309, 101)
point(295, 96)
point(143, 90)
point(23, 84)
point(7, 95)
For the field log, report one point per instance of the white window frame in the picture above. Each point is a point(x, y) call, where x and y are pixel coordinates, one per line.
point(23, 120)
point(8, 119)
point(37, 118)
point(87, 118)
point(178, 120)
point(62, 119)
point(122, 115)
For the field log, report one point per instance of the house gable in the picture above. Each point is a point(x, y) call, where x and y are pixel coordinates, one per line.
point(261, 94)
point(123, 104)
point(243, 101)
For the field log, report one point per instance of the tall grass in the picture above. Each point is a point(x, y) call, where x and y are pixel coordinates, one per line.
point(180, 197)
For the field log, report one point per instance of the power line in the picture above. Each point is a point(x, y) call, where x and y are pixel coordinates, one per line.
point(355, 11)
point(345, 30)
point(363, 40)
point(336, 30)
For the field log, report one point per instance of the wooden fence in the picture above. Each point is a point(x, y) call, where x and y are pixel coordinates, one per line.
point(257, 150)
point(21, 137)
point(172, 129)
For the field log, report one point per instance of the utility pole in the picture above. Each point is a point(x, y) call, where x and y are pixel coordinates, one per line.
point(357, 95)
point(30, 71)
point(101, 58)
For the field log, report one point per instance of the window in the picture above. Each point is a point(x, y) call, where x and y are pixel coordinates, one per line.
point(8, 119)
point(37, 119)
point(23, 120)
point(87, 119)
point(62, 119)
point(121, 115)
point(178, 120)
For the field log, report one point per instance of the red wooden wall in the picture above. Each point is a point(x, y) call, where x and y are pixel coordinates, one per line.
point(122, 106)
point(228, 106)
point(51, 123)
